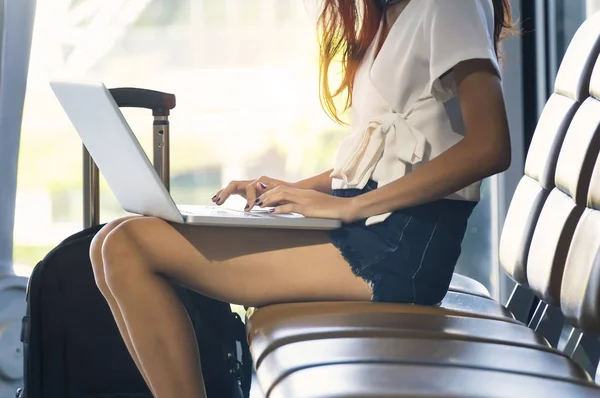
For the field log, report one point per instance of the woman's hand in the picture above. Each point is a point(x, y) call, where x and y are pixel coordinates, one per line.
point(249, 189)
point(308, 202)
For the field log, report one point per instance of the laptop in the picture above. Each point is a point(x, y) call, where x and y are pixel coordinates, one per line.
point(132, 177)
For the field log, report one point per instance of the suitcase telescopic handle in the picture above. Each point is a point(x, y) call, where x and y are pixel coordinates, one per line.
point(159, 103)
point(127, 97)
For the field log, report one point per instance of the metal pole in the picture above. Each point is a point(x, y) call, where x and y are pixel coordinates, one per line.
point(17, 19)
point(91, 191)
point(16, 27)
point(161, 149)
point(541, 54)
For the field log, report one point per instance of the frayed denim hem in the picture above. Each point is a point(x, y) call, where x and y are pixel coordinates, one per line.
point(368, 274)
point(354, 260)
point(413, 251)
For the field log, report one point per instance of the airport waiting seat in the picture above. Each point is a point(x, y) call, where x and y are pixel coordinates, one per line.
point(570, 90)
point(414, 381)
point(420, 351)
point(275, 328)
point(565, 204)
point(372, 359)
point(580, 296)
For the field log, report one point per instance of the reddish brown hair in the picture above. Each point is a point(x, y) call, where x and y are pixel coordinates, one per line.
point(347, 27)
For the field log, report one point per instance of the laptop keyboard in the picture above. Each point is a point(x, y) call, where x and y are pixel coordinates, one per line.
point(217, 212)
point(214, 211)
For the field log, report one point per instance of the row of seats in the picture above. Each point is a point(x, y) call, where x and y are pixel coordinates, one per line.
point(472, 346)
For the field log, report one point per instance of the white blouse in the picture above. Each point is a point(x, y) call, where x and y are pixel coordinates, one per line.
point(405, 108)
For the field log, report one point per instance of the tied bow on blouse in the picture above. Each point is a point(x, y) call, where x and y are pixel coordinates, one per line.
point(387, 142)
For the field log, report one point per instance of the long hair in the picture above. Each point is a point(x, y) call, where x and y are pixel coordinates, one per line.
point(347, 28)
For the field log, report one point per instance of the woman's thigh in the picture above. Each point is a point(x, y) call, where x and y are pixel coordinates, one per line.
point(247, 266)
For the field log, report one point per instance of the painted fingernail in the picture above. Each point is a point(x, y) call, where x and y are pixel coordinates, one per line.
point(271, 210)
point(263, 185)
point(247, 207)
point(257, 200)
point(260, 203)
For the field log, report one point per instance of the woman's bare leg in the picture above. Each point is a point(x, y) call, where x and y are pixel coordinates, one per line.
point(252, 267)
point(98, 267)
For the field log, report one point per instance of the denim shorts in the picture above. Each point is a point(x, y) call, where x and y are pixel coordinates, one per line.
point(410, 257)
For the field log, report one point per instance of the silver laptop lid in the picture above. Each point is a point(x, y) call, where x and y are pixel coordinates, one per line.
point(115, 149)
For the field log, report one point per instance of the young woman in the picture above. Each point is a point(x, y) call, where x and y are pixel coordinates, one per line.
point(421, 78)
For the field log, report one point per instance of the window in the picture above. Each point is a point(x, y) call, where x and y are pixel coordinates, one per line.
point(476, 259)
point(566, 17)
point(562, 19)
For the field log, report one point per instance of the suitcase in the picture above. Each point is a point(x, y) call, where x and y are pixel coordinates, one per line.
point(71, 345)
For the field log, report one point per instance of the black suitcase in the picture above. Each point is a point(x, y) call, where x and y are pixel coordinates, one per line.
point(72, 347)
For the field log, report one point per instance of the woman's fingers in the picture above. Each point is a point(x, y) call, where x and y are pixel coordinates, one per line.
point(251, 190)
point(286, 209)
point(278, 196)
point(255, 189)
point(217, 195)
point(231, 189)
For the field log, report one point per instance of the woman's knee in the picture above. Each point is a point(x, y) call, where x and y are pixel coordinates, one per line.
point(96, 252)
point(122, 253)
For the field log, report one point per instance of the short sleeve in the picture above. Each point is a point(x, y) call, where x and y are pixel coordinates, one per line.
point(456, 31)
